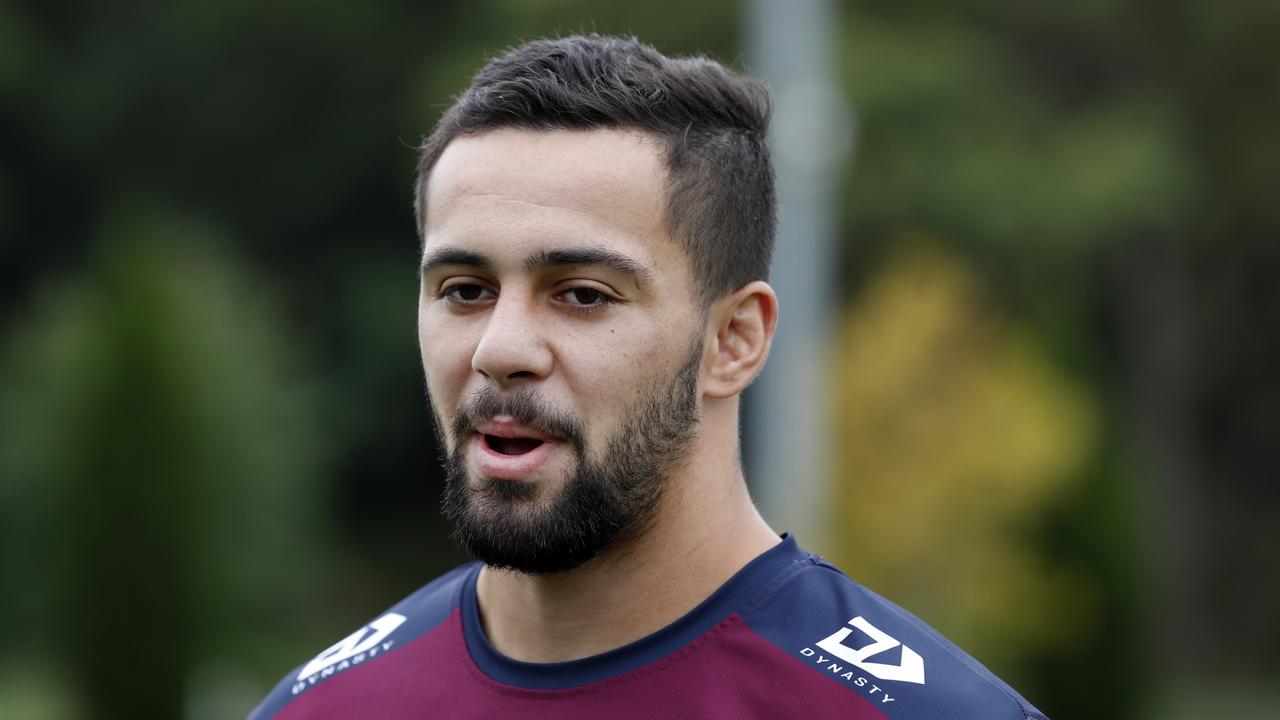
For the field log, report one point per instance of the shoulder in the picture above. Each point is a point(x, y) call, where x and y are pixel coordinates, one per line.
point(414, 616)
point(878, 650)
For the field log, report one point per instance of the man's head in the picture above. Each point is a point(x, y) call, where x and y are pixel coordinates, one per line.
point(597, 221)
point(708, 124)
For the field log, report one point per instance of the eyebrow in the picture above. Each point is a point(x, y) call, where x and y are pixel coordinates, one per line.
point(589, 255)
point(543, 259)
point(453, 256)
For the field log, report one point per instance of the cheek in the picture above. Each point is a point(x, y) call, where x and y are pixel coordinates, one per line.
point(444, 341)
point(446, 369)
point(446, 364)
point(612, 378)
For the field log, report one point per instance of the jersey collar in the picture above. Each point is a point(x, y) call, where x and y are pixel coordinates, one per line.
point(755, 580)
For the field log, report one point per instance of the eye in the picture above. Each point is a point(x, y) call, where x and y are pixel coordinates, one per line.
point(466, 293)
point(585, 299)
point(585, 296)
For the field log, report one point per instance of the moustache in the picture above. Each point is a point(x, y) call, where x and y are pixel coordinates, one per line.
point(525, 406)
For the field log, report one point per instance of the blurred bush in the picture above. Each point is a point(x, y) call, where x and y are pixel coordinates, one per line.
point(162, 469)
point(953, 437)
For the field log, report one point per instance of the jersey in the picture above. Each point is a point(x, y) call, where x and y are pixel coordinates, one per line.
point(788, 636)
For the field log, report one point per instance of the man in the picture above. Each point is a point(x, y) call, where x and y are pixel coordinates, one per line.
point(597, 223)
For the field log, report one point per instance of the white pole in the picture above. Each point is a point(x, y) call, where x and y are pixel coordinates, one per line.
point(791, 46)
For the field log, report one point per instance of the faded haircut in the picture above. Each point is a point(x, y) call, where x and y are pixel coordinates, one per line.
point(710, 121)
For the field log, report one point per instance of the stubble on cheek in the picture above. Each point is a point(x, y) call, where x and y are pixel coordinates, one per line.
point(439, 426)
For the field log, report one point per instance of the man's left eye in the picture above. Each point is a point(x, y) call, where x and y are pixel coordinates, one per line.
point(585, 297)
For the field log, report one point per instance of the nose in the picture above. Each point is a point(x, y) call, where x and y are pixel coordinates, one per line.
point(513, 348)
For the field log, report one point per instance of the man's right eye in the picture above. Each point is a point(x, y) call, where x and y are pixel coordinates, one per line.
point(466, 293)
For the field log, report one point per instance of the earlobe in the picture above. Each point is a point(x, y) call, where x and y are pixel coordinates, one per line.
point(744, 323)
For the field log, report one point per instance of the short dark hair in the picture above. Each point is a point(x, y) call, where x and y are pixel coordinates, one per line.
point(711, 121)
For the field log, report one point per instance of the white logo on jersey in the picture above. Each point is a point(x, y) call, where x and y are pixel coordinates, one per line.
point(909, 669)
point(354, 644)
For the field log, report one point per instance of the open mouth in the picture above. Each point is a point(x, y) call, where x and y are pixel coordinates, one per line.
point(511, 445)
point(507, 450)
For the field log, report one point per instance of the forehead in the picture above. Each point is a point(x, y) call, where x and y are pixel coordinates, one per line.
point(510, 187)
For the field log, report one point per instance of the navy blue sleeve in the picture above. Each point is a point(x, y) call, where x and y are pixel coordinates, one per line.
point(880, 651)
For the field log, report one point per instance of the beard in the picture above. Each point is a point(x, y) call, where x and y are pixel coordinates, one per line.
point(506, 525)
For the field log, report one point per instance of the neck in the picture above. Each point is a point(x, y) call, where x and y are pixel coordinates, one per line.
point(706, 529)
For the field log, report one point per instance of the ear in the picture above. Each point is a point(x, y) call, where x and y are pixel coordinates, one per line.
point(743, 325)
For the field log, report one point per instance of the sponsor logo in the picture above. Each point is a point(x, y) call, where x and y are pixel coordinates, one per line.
point(850, 663)
point(363, 644)
point(909, 669)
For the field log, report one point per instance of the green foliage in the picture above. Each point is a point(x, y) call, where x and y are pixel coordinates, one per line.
point(960, 132)
point(161, 440)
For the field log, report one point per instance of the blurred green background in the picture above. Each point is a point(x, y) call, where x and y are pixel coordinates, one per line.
point(1053, 372)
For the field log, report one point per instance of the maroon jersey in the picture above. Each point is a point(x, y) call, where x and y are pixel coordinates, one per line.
point(788, 636)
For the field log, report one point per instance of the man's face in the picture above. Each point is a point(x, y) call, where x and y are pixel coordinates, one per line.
point(561, 339)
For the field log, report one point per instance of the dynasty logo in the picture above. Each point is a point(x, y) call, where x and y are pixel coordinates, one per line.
point(363, 644)
point(844, 660)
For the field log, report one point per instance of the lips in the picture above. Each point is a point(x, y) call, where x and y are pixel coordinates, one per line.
point(508, 450)
point(511, 446)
